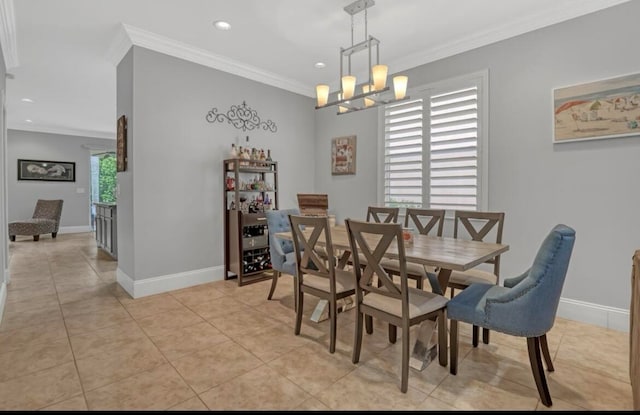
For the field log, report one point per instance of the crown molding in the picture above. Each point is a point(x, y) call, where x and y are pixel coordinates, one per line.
point(61, 130)
point(506, 31)
point(177, 49)
point(8, 34)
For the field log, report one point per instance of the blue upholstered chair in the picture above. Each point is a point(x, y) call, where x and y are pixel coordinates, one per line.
point(526, 307)
point(283, 258)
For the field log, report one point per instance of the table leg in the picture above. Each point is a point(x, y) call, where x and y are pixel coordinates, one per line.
point(321, 312)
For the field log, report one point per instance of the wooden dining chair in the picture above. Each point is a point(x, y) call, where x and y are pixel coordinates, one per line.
point(316, 270)
point(397, 304)
point(426, 222)
point(477, 226)
point(379, 214)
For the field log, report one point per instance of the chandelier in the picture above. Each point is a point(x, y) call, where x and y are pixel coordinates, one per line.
point(375, 91)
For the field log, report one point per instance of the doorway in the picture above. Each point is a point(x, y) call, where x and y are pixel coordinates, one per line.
point(103, 180)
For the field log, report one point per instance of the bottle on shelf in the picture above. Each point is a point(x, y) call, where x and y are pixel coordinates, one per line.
point(269, 154)
point(263, 157)
point(234, 151)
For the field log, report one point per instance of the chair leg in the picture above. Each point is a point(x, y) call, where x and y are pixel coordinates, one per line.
point(357, 339)
point(299, 307)
point(475, 336)
point(419, 283)
point(535, 358)
point(368, 323)
point(36, 238)
point(274, 282)
point(54, 234)
point(453, 341)
point(12, 238)
point(333, 316)
point(442, 338)
point(545, 352)
point(393, 333)
point(404, 383)
point(485, 336)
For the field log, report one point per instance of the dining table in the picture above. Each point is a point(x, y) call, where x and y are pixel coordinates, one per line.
point(446, 254)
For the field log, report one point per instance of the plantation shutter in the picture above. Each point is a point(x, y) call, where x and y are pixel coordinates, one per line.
point(453, 155)
point(403, 154)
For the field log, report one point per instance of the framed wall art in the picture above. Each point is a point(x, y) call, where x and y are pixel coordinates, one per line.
point(603, 109)
point(48, 171)
point(343, 155)
point(121, 144)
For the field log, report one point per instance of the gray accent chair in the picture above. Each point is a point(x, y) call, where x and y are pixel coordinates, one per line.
point(45, 219)
point(283, 257)
point(525, 307)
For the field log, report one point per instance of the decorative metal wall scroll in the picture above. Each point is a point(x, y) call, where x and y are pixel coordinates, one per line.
point(242, 117)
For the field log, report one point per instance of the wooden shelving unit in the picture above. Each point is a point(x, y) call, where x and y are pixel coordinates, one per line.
point(251, 187)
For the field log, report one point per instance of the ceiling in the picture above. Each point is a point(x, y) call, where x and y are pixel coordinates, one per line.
point(66, 50)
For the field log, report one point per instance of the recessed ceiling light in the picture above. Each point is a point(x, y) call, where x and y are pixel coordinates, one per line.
point(28, 120)
point(320, 65)
point(26, 100)
point(222, 25)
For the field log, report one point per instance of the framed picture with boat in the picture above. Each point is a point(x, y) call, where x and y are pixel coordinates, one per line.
point(602, 109)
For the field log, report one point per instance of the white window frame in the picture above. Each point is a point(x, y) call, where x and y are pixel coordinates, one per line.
point(479, 79)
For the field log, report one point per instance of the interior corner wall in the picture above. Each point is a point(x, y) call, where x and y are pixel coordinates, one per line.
point(22, 195)
point(4, 244)
point(588, 185)
point(177, 177)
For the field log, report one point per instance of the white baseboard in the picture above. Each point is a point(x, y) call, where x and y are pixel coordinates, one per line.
point(596, 314)
point(171, 282)
point(3, 298)
point(74, 229)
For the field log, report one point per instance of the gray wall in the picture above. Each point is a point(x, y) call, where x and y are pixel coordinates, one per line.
point(590, 185)
point(23, 195)
point(4, 244)
point(177, 158)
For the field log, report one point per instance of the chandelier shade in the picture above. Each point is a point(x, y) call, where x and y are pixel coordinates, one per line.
point(375, 91)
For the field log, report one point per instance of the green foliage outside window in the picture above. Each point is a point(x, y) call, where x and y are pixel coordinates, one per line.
point(107, 179)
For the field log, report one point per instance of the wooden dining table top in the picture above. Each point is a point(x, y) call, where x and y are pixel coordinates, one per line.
point(443, 252)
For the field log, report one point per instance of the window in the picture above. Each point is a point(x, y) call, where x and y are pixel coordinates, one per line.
point(434, 147)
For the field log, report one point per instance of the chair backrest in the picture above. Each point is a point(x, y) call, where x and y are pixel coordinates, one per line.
point(372, 240)
point(278, 221)
point(313, 204)
point(530, 306)
point(478, 226)
point(312, 257)
point(382, 214)
point(48, 209)
point(425, 220)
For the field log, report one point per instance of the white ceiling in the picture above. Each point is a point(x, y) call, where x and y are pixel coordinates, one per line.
point(66, 48)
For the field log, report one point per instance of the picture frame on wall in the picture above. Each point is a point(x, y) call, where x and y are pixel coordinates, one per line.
point(121, 144)
point(48, 171)
point(343, 155)
point(602, 109)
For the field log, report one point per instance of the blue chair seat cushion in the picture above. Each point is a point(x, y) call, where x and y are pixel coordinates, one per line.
point(469, 304)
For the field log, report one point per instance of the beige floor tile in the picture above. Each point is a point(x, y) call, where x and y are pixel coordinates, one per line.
point(186, 340)
point(130, 359)
point(76, 403)
point(41, 333)
point(197, 295)
point(312, 404)
point(240, 322)
point(588, 389)
point(90, 305)
point(271, 342)
point(88, 322)
point(14, 320)
point(167, 322)
point(193, 404)
point(260, 389)
point(36, 283)
point(559, 405)
point(465, 392)
point(312, 367)
point(155, 389)
point(101, 290)
point(91, 282)
point(106, 340)
point(38, 290)
point(46, 300)
point(210, 367)
point(155, 305)
point(606, 353)
point(221, 307)
point(368, 389)
point(34, 357)
point(40, 389)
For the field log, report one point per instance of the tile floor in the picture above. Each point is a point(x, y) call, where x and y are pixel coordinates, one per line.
point(71, 338)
